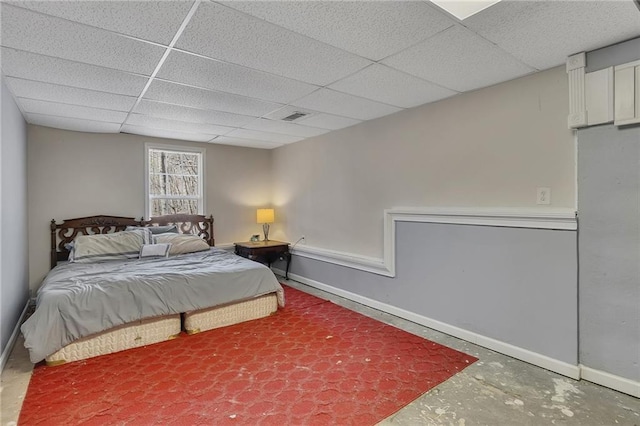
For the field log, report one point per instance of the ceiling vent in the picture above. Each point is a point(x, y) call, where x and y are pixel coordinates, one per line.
point(296, 115)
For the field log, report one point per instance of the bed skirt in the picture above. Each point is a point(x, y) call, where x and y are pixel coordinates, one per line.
point(127, 336)
point(221, 316)
point(159, 329)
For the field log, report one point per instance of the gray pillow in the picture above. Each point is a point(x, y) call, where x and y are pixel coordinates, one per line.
point(118, 245)
point(70, 246)
point(157, 229)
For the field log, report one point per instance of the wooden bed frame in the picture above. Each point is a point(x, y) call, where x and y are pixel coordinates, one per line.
point(151, 330)
point(64, 233)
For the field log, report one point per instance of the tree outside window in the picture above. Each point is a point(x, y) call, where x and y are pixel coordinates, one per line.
point(174, 181)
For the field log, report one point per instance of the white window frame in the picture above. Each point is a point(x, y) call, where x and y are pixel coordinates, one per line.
point(175, 148)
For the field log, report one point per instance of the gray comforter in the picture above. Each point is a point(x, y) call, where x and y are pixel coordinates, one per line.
point(77, 300)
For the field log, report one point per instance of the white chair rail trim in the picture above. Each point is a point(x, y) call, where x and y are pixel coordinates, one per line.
point(555, 219)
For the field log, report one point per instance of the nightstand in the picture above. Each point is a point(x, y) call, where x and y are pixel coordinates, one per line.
point(265, 252)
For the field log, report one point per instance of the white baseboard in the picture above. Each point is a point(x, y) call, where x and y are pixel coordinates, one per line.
point(609, 380)
point(560, 367)
point(12, 340)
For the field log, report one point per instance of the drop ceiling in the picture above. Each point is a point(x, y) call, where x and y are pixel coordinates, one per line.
point(229, 72)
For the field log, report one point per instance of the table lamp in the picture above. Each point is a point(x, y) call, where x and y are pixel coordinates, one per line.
point(265, 217)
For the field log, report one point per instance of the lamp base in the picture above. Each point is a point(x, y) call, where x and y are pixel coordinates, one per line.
point(265, 229)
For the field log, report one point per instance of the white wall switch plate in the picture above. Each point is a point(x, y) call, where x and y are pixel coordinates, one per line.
point(543, 196)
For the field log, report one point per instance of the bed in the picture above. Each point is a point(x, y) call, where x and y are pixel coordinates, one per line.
point(99, 307)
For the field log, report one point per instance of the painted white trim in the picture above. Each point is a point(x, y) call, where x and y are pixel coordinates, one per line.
point(577, 101)
point(556, 219)
point(12, 339)
point(609, 380)
point(560, 367)
point(575, 170)
point(626, 92)
point(178, 148)
point(350, 260)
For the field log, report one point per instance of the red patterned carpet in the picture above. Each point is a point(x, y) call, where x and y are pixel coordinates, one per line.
point(312, 363)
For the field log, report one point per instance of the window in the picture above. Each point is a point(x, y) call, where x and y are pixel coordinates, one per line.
point(174, 180)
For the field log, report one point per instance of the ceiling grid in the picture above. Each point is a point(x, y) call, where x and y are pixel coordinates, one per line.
point(229, 72)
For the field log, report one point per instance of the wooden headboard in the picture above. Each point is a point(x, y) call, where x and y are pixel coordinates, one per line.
point(64, 233)
point(187, 224)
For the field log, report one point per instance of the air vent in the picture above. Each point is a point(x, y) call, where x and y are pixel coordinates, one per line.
point(295, 116)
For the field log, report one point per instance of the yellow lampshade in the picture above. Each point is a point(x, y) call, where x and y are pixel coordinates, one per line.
point(265, 216)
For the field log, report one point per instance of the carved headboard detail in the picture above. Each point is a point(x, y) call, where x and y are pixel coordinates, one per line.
point(64, 233)
point(187, 224)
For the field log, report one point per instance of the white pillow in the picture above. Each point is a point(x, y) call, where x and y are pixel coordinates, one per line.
point(182, 243)
point(155, 250)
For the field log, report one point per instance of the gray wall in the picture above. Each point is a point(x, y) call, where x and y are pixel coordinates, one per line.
point(515, 285)
point(617, 54)
point(609, 247)
point(14, 275)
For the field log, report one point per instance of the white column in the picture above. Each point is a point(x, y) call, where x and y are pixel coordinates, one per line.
point(577, 105)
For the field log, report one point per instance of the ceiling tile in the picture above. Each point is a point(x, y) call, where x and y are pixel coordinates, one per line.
point(174, 125)
point(191, 115)
point(31, 66)
point(69, 95)
point(74, 124)
point(81, 64)
point(543, 33)
point(330, 101)
point(222, 33)
point(263, 136)
point(211, 74)
point(149, 20)
point(328, 121)
point(26, 30)
point(250, 143)
point(167, 134)
point(372, 29)
point(284, 127)
point(72, 111)
point(384, 84)
point(206, 99)
point(459, 60)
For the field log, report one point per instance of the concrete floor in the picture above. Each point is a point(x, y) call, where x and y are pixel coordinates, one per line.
point(496, 390)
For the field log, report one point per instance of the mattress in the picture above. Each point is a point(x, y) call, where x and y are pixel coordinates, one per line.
point(220, 316)
point(79, 300)
point(127, 336)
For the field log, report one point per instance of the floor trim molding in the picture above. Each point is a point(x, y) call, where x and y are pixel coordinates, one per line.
point(560, 367)
point(609, 380)
point(550, 219)
point(12, 339)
